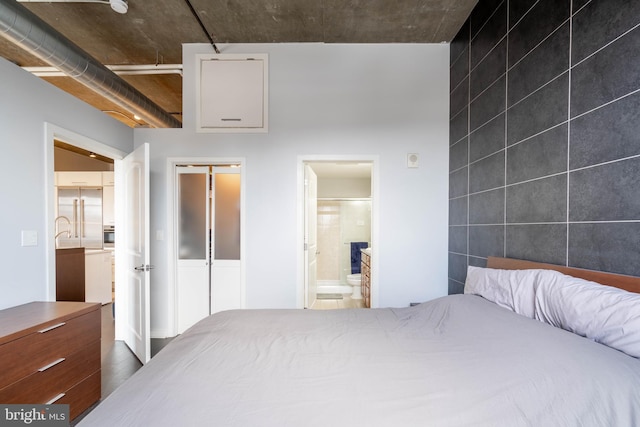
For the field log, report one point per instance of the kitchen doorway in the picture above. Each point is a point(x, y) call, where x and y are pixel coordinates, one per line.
point(336, 218)
point(75, 149)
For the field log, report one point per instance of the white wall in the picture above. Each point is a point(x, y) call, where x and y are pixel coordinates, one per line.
point(384, 100)
point(26, 103)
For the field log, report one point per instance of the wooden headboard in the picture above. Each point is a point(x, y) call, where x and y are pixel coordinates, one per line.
point(628, 283)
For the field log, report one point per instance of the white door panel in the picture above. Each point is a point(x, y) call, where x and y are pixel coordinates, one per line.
point(193, 245)
point(136, 243)
point(310, 234)
point(226, 279)
point(193, 299)
point(225, 286)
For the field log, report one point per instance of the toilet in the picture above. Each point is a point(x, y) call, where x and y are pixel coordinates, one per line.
point(355, 280)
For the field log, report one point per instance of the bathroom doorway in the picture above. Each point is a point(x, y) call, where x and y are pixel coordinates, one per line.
point(344, 222)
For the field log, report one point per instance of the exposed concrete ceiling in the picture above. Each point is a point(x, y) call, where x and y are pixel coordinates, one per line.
point(152, 32)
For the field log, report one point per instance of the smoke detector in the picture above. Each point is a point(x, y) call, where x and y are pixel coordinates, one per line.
point(119, 6)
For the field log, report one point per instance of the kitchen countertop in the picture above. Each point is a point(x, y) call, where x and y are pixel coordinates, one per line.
point(88, 251)
point(95, 251)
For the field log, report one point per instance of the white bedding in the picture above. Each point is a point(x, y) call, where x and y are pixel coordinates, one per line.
point(455, 361)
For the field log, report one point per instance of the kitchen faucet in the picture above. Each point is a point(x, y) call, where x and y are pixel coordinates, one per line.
point(58, 233)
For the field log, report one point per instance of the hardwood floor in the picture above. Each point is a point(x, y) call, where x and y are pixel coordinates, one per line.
point(333, 304)
point(118, 362)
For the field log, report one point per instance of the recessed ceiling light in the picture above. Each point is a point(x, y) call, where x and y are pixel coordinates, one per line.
point(137, 117)
point(119, 6)
point(93, 155)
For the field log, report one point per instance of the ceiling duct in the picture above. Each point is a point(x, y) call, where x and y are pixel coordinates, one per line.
point(25, 29)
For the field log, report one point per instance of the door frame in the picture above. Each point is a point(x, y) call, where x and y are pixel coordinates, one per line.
point(171, 173)
point(53, 132)
point(375, 217)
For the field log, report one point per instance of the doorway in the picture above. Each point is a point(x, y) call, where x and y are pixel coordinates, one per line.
point(59, 138)
point(208, 218)
point(338, 217)
point(131, 179)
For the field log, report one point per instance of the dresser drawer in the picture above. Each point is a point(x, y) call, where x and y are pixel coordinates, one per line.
point(82, 395)
point(42, 386)
point(54, 340)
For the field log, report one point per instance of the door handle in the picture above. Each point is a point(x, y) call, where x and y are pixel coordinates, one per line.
point(82, 218)
point(144, 267)
point(75, 218)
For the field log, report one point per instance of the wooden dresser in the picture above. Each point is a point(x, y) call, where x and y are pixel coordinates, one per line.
point(50, 353)
point(365, 269)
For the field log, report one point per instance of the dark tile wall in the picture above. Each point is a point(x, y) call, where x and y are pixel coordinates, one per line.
point(545, 135)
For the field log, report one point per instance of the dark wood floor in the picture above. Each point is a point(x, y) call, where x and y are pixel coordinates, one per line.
point(118, 362)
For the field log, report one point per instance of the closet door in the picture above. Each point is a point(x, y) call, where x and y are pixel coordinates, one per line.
point(193, 225)
point(226, 278)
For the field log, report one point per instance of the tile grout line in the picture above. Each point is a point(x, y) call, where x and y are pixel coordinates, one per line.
point(506, 136)
point(566, 258)
point(468, 144)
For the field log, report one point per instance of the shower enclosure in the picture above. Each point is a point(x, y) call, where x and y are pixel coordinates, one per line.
point(340, 222)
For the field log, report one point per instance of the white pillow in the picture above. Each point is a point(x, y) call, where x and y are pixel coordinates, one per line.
point(605, 314)
point(512, 289)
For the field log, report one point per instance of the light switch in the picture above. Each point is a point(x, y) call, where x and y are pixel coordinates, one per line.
point(159, 235)
point(29, 238)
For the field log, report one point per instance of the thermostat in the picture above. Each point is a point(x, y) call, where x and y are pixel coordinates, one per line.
point(412, 160)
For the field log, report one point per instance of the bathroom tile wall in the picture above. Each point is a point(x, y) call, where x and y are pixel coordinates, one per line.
point(340, 222)
point(545, 135)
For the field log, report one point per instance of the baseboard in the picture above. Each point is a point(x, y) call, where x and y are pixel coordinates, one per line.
point(161, 333)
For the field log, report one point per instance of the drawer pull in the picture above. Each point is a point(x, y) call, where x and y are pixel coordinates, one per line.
point(51, 365)
point(55, 399)
point(42, 331)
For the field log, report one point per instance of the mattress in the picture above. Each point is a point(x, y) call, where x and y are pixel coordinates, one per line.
point(459, 360)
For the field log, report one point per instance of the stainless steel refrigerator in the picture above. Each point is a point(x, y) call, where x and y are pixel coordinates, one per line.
point(79, 212)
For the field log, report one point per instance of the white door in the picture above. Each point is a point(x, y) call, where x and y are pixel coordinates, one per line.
point(310, 235)
point(209, 271)
point(136, 245)
point(226, 270)
point(193, 227)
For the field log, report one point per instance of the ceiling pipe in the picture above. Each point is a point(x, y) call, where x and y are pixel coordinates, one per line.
point(120, 6)
point(121, 70)
point(23, 28)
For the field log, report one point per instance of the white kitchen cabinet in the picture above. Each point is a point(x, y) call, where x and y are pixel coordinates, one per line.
point(97, 269)
point(78, 179)
point(107, 178)
point(108, 211)
point(232, 93)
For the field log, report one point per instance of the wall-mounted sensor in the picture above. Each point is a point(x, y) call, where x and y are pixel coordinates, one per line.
point(412, 160)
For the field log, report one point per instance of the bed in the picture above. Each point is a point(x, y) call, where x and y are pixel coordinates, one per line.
point(460, 360)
